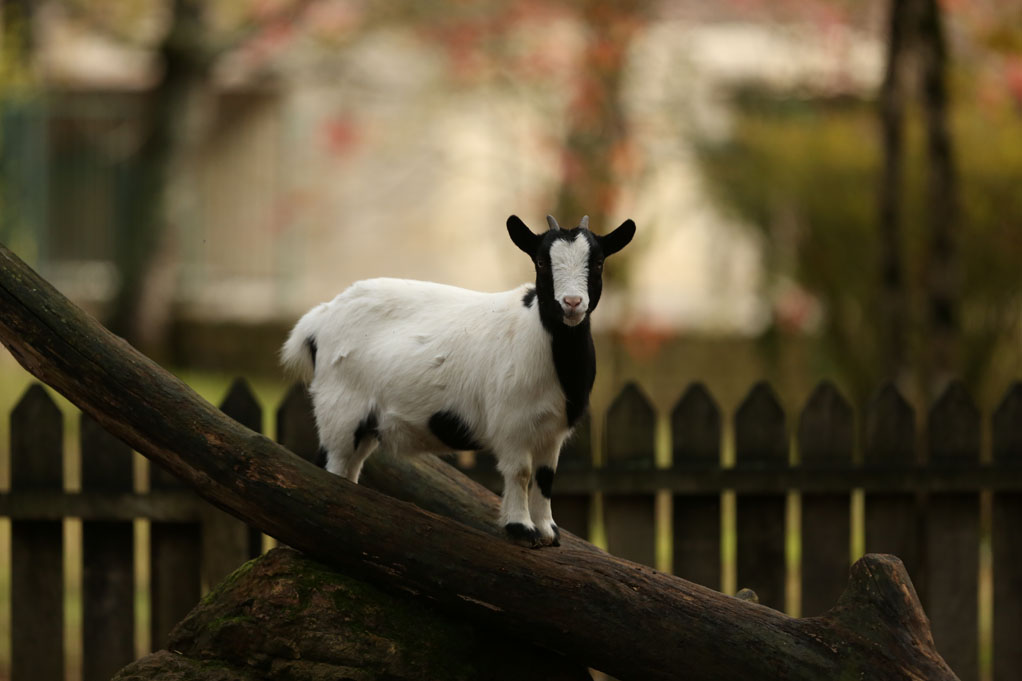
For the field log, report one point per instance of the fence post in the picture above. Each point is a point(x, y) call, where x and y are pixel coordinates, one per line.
point(571, 511)
point(952, 537)
point(108, 559)
point(695, 444)
point(37, 546)
point(826, 437)
point(175, 555)
point(226, 541)
point(1007, 549)
point(891, 523)
point(296, 426)
point(761, 442)
point(630, 519)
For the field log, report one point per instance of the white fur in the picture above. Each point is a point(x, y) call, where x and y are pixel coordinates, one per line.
point(409, 349)
point(569, 263)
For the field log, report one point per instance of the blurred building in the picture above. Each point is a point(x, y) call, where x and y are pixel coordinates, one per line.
point(338, 147)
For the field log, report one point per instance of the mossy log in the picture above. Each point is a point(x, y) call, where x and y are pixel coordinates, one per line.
point(286, 616)
point(598, 610)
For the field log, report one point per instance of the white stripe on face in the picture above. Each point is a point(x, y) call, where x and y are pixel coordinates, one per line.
point(569, 264)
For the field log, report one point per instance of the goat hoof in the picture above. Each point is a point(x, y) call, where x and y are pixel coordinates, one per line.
point(550, 536)
point(556, 541)
point(522, 535)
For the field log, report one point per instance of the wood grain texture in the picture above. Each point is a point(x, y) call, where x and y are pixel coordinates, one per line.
point(611, 614)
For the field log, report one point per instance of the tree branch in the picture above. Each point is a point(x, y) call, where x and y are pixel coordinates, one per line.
point(622, 618)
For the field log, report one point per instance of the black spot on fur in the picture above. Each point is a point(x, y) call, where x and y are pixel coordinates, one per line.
point(311, 343)
point(367, 427)
point(520, 534)
point(321, 457)
point(451, 430)
point(529, 297)
point(545, 480)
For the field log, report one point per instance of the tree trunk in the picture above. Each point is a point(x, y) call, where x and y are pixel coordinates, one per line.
point(942, 202)
point(893, 295)
point(625, 619)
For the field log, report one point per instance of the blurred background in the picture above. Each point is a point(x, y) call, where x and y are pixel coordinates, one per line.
point(823, 188)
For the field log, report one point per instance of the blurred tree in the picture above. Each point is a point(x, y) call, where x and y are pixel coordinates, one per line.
point(925, 286)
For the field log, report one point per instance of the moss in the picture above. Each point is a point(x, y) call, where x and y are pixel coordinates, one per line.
point(229, 582)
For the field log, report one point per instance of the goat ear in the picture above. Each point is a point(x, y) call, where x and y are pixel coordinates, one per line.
point(522, 236)
point(618, 239)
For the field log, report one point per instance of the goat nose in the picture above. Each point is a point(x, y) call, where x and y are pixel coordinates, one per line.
point(572, 301)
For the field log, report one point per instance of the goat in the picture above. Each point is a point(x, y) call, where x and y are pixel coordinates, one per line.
point(424, 367)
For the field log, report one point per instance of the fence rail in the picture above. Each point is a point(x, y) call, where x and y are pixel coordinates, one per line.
point(937, 491)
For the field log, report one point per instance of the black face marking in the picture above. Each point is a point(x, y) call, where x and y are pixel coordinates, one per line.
point(311, 343)
point(320, 459)
point(545, 480)
point(367, 427)
point(520, 534)
point(451, 430)
point(574, 354)
point(529, 297)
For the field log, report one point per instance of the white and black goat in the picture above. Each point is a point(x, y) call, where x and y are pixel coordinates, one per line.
point(422, 367)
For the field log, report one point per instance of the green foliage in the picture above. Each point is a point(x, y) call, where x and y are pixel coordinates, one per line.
point(807, 171)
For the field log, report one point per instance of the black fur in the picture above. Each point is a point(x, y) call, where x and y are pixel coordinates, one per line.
point(545, 480)
point(367, 427)
point(521, 534)
point(452, 430)
point(529, 297)
point(311, 343)
point(321, 457)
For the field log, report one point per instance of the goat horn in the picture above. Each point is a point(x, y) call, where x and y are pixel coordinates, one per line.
point(553, 223)
point(584, 222)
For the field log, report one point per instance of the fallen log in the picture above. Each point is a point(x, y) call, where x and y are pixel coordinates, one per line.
point(622, 618)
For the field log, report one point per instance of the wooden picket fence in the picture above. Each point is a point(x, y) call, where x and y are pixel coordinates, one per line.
point(942, 490)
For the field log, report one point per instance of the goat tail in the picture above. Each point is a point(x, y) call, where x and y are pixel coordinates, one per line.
point(298, 354)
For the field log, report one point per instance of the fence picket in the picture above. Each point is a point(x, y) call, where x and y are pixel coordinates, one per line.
point(952, 538)
point(296, 426)
point(571, 511)
point(629, 519)
point(226, 541)
point(761, 442)
point(825, 439)
point(890, 518)
point(695, 438)
point(1007, 549)
point(37, 546)
point(175, 555)
point(108, 559)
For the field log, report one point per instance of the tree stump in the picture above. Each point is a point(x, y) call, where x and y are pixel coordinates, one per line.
point(286, 616)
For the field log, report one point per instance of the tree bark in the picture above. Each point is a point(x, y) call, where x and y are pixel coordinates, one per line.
point(625, 619)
